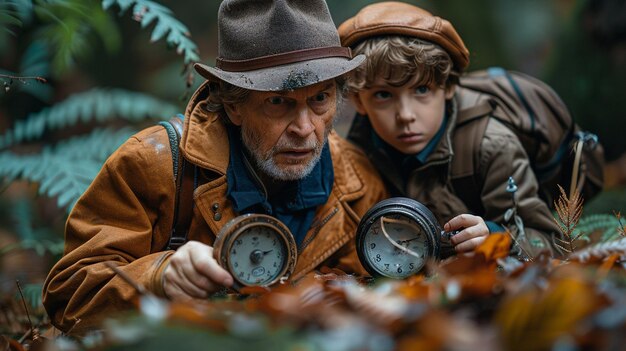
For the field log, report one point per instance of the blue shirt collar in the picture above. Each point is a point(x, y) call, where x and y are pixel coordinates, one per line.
point(418, 159)
point(297, 201)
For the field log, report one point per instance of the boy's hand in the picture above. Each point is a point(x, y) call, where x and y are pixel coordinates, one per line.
point(473, 233)
point(193, 273)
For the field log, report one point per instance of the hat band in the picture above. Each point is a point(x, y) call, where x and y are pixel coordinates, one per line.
point(282, 58)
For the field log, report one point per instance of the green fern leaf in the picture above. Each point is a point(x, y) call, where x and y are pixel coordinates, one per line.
point(148, 12)
point(98, 104)
point(67, 169)
point(32, 294)
point(604, 224)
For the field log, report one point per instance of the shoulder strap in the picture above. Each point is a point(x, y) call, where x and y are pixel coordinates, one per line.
point(469, 130)
point(184, 178)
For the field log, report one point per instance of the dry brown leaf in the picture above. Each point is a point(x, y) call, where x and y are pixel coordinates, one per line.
point(495, 246)
point(415, 288)
point(606, 266)
point(10, 344)
point(534, 319)
point(601, 251)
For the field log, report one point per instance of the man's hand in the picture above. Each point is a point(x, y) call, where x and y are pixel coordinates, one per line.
point(473, 234)
point(193, 273)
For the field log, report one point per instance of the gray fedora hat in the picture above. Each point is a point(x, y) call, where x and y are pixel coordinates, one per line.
point(273, 45)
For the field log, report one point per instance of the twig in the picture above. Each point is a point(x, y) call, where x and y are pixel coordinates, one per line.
point(127, 278)
point(39, 79)
point(19, 288)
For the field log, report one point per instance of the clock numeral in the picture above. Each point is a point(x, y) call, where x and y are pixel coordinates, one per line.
point(411, 266)
point(399, 269)
point(378, 258)
point(238, 242)
point(372, 246)
point(386, 266)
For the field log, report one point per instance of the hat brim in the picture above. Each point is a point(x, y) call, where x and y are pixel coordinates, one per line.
point(285, 77)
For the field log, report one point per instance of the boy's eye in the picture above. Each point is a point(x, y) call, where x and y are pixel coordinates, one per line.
point(383, 95)
point(422, 89)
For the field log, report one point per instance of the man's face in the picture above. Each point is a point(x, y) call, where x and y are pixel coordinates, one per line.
point(286, 131)
point(406, 117)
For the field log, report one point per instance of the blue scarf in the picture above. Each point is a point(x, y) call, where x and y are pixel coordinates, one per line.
point(295, 205)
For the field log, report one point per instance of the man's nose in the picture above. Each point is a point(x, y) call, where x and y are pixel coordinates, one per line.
point(302, 125)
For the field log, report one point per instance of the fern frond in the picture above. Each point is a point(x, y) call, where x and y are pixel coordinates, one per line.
point(603, 225)
point(569, 211)
point(66, 170)
point(621, 230)
point(175, 32)
point(601, 251)
point(32, 294)
point(98, 104)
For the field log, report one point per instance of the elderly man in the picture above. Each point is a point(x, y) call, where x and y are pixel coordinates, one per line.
point(258, 137)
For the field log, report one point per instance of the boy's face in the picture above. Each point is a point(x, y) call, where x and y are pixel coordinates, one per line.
point(286, 131)
point(406, 117)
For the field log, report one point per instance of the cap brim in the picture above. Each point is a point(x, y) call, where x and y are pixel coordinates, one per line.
point(285, 77)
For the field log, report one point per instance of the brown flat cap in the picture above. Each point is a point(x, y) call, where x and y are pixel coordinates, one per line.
point(270, 45)
point(398, 18)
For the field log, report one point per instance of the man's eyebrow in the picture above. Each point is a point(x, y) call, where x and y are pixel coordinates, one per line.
point(285, 92)
point(326, 87)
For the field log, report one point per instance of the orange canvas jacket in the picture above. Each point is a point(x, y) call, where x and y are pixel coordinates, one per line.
point(125, 217)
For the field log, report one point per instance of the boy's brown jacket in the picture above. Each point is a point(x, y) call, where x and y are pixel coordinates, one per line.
point(125, 217)
point(501, 156)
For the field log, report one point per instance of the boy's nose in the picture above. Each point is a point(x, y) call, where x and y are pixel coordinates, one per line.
point(404, 112)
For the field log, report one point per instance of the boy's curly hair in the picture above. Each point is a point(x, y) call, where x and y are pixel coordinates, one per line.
point(398, 59)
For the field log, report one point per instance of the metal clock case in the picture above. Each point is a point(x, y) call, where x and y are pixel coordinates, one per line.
point(396, 237)
point(256, 249)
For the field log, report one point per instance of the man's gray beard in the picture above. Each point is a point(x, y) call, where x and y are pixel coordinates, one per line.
point(266, 163)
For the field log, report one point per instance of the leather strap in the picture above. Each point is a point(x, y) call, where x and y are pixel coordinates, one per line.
point(282, 58)
point(183, 211)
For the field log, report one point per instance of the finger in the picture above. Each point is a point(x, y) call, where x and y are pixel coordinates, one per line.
point(470, 233)
point(176, 281)
point(204, 263)
point(462, 221)
point(469, 245)
point(195, 284)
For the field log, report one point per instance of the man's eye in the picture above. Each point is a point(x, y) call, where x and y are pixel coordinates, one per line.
point(276, 100)
point(422, 89)
point(320, 97)
point(382, 95)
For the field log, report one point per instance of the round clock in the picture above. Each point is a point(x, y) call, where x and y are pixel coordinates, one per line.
point(256, 249)
point(397, 236)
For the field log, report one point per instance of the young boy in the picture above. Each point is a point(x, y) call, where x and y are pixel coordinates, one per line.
point(407, 103)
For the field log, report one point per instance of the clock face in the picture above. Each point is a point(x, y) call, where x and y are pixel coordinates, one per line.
point(257, 250)
point(400, 253)
point(257, 256)
point(396, 237)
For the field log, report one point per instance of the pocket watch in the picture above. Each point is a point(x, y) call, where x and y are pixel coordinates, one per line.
point(256, 249)
point(397, 236)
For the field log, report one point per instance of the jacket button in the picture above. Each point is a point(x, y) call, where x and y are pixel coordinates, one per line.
point(215, 207)
point(217, 216)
